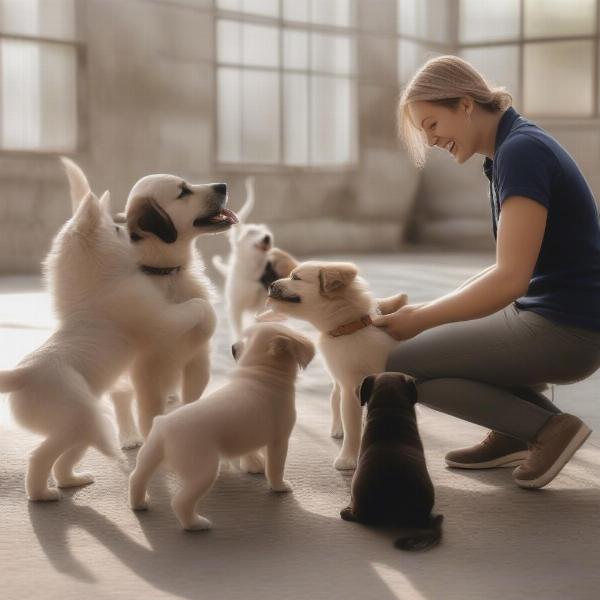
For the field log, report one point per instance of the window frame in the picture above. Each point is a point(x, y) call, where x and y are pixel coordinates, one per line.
point(81, 94)
point(281, 24)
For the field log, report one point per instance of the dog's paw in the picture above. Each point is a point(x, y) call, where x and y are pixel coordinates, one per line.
point(75, 480)
point(131, 440)
point(254, 464)
point(337, 432)
point(197, 523)
point(47, 495)
point(347, 514)
point(282, 487)
point(345, 463)
point(140, 504)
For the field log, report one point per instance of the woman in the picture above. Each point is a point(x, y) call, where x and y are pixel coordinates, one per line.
point(484, 351)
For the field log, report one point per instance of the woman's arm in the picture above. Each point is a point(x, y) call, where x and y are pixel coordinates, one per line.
point(520, 234)
point(475, 277)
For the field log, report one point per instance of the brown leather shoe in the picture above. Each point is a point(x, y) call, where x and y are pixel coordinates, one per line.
point(496, 450)
point(553, 447)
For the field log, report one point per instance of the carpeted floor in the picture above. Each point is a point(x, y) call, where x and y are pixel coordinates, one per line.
point(499, 541)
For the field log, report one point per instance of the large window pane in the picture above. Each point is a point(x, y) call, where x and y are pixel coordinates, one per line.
point(484, 21)
point(269, 8)
point(499, 65)
point(332, 126)
point(557, 78)
point(229, 121)
point(247, 44)
point(39, 96)
point(296, 10)
point(295, 49)
point(426, 19)
point(553, 18)
point(38, 18)
point(229, 40)
point(331, 12)
point(411, 56)
point(260, 93)
point(331, 53)
point(295, 110)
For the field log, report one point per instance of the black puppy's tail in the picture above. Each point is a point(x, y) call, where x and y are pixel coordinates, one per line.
point(422, 539)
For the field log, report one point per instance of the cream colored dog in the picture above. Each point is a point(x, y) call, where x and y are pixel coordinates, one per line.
point(255, 409)
point(338, 303)
point(107, 308)
point(164, 216)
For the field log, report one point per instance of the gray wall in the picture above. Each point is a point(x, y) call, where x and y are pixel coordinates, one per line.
point(148, 106)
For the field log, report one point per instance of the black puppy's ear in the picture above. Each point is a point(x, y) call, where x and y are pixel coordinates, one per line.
point(152, 218)
point(366, 389)
point(411, 387)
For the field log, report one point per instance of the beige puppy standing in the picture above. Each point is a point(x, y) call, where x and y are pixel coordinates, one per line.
point(255, 409)
point(55, 390)
point(338, 303)
point(164, 216)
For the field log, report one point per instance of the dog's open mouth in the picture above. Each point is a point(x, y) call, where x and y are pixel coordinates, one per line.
point(275, 294)
point(224, 217)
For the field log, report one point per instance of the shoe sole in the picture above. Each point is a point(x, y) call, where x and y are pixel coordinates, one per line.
point(514, 459)
point(578, 440)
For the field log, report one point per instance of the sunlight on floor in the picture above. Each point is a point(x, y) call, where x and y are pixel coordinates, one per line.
point(398, 584)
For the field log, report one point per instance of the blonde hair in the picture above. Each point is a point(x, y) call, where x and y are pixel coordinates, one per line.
point(445, 80)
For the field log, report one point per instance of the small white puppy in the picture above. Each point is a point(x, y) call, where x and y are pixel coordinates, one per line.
point(332, 297)
point(106, 308)
point(250, 244)
point(255, 410)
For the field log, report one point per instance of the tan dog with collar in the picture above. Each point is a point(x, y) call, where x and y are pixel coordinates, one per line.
point(332, 297)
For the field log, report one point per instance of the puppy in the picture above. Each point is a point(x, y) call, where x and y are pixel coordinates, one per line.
point(338, 303)
point(107, 309)
point(254, 410)
point(391, 486)
point(164, 216)
point(252, 266)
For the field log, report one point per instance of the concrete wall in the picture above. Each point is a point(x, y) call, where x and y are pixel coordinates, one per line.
point(147, 106)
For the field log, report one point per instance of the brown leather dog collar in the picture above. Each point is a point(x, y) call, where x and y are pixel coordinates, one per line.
point(352, 327)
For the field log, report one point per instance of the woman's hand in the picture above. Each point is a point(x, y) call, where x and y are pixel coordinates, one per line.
point(403, 324)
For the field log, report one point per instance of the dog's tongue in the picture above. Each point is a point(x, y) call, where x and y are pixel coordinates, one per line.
point(225, 216)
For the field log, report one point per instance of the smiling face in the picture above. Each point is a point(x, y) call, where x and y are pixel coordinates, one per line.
point(450, 129)
point(171, 209)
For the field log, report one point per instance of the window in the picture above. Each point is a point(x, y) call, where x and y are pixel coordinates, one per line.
point(424, 31)
point(544, 51)
point(286, 82)
point(38, 75)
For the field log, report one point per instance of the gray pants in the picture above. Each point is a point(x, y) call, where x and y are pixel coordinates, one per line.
point(488, 370)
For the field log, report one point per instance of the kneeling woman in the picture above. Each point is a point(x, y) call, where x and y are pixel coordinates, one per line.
point(484, 352)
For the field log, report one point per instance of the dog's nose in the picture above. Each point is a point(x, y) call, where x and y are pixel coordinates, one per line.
point(235, 351)
point(267, 239)
point(220, 188)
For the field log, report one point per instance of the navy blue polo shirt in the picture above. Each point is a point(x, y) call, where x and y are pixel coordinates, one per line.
point(565, 285)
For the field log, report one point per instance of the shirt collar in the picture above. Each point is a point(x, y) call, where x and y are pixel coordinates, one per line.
point(504, 126)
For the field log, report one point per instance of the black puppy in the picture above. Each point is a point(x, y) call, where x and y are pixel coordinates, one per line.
point(391, 486)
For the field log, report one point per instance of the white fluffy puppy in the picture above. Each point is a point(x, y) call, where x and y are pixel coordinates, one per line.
point(55, 390)
point(250, 245)
point(164, 216)
point(255, 409)
point(332, 297)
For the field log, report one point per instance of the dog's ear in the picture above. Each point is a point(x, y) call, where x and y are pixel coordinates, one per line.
point(150, 217)
point(366, 389)
point(87, 215)
point(336, 276)
point(105, 201)
point(303, 349)
point(411, 388)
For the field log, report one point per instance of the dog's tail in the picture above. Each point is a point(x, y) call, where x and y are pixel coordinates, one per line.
point(78, 182)
point(220, 265)
point(11, 381)
point(245, 211)
point(422, 539)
